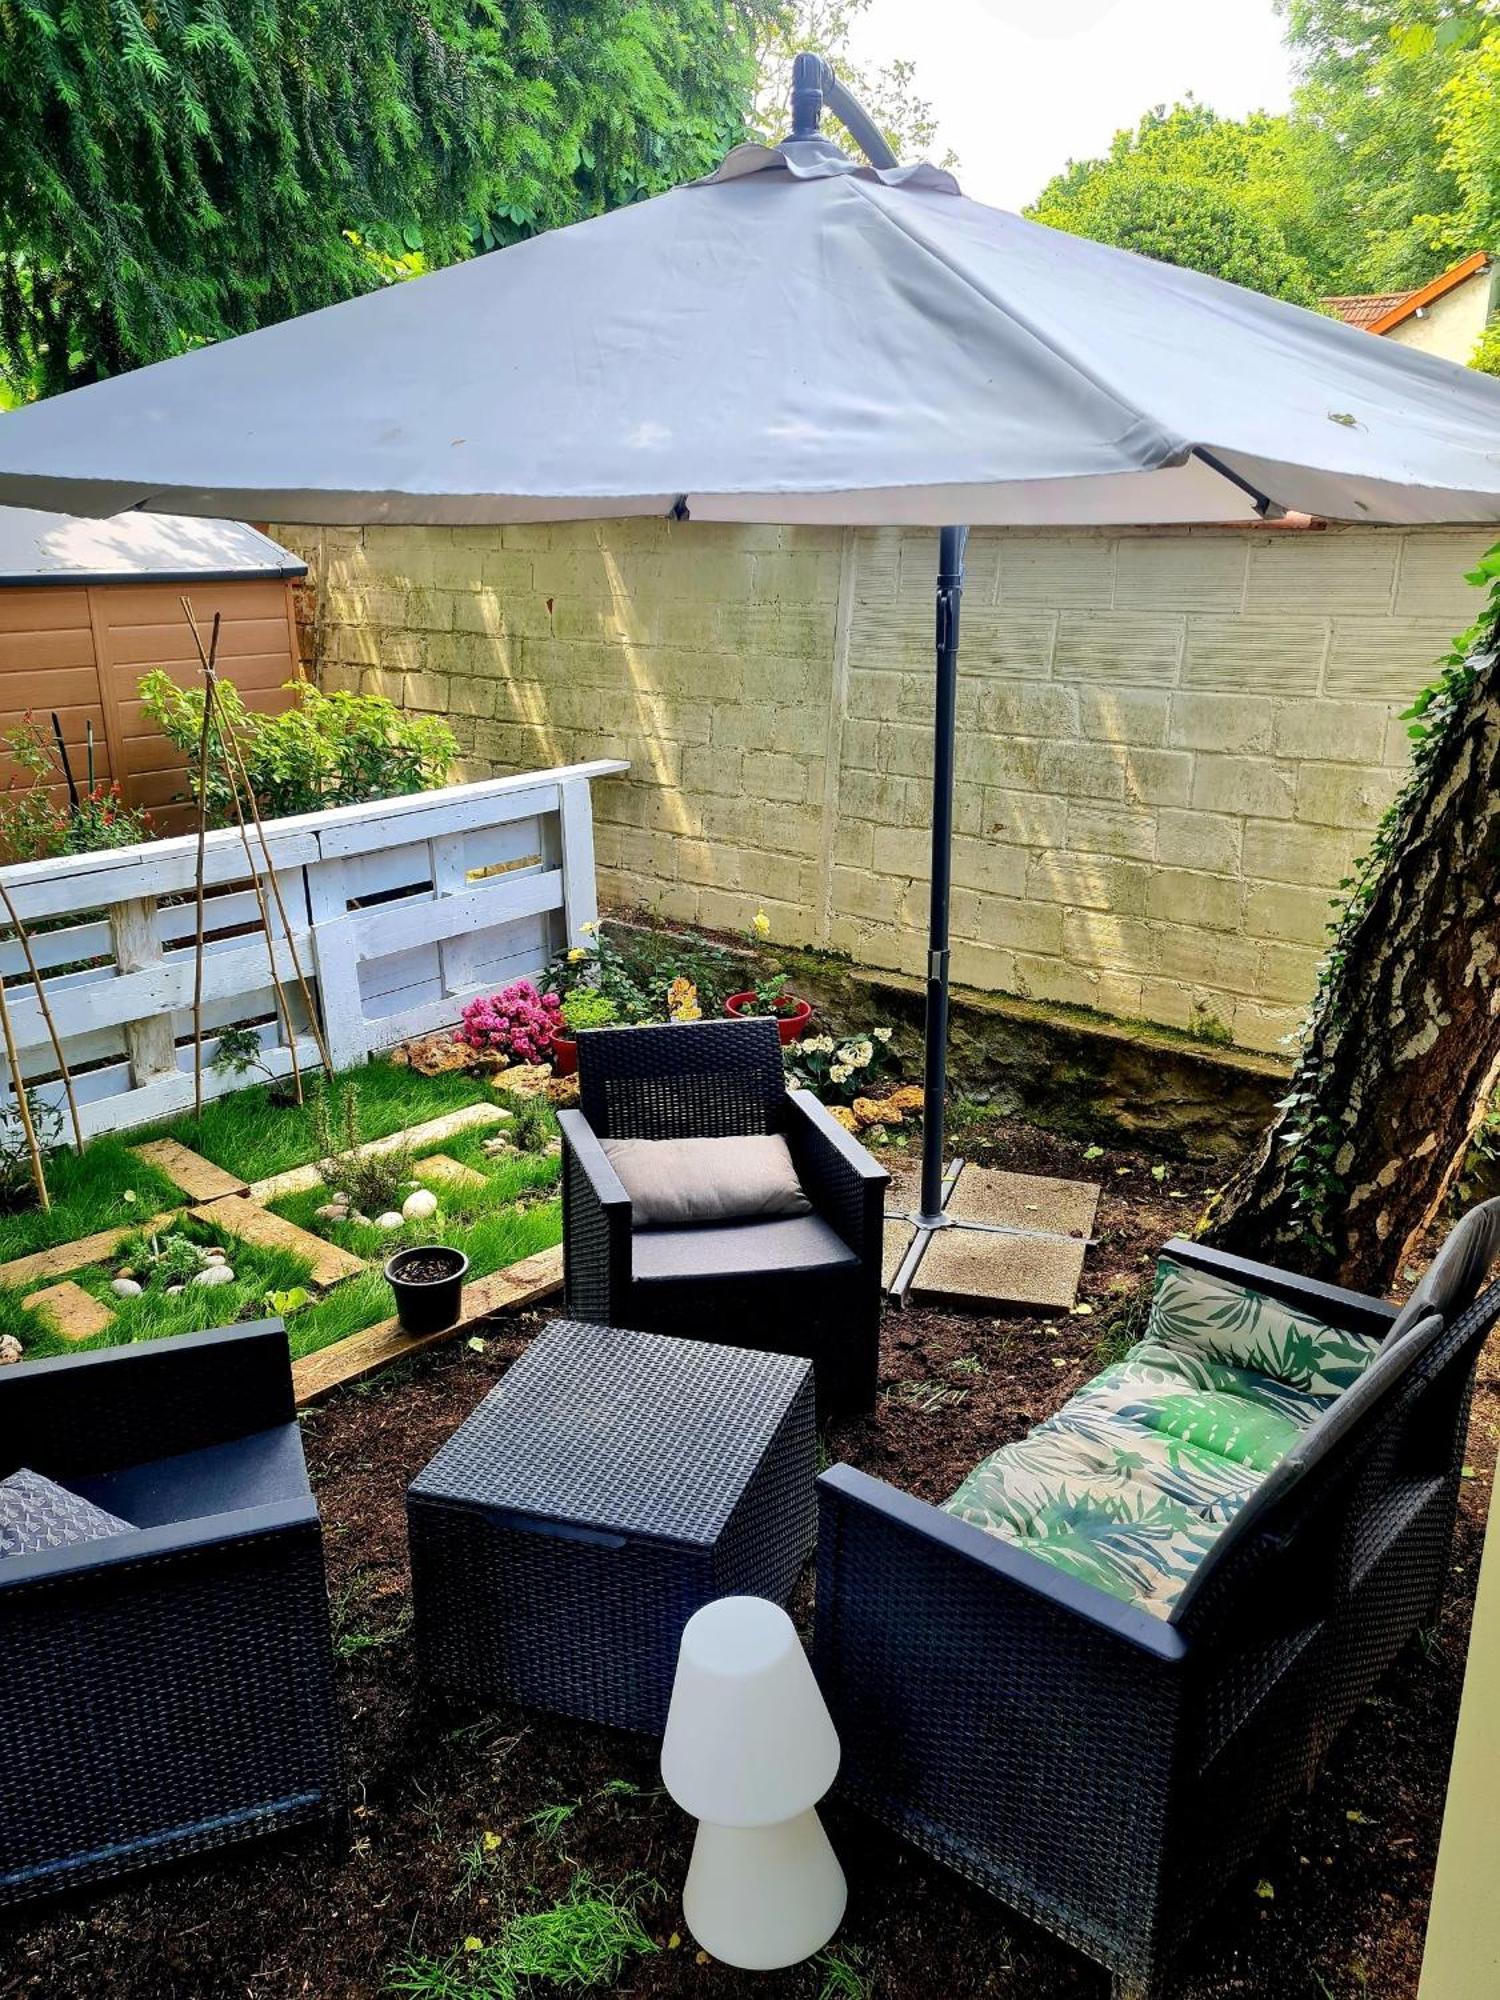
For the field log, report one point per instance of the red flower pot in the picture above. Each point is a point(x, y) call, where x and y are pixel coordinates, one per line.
point(791, 1027)
point(564, 1056)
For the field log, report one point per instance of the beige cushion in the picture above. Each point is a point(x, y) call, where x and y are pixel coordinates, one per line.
point(674, 1183)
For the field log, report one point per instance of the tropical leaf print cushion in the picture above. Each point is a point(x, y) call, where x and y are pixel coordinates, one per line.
point(1129, 1485)
point(1205, 1317)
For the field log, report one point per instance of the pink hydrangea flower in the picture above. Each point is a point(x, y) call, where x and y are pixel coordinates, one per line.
point(518, 1022)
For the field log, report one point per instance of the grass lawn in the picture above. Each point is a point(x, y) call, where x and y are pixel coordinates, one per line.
point(512, 1216)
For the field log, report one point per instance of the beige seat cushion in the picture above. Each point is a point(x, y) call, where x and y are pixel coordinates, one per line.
point(683, 1183)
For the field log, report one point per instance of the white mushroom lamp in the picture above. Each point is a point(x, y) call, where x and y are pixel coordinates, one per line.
point(749, 1750)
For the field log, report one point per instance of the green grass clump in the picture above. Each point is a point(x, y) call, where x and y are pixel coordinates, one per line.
point(248, 1134)
point(585, 1941)
point(88, 1192)
point(152, 1316)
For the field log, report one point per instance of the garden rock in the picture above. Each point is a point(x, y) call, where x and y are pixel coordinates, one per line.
point(332, 1211)
point(10, 1349)
point(563, 1091)
point(440, 1055)
point(524, 1080)
point(173, 1290)
point(216, 1274)
point(419, 1205)
point(125, 1288)
point(392, 1219)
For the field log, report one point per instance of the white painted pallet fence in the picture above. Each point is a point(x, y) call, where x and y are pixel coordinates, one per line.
point(401, 910)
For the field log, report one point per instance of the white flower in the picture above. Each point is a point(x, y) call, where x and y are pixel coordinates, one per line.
point(819, 1045)
point(865, 1051)
point(882, 1034)
point(839, 1073)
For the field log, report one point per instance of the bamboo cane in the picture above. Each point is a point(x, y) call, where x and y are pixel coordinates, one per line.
point(283, 1006)
point(45, 1005)
point(272, 877)
point(17, 1083)
point(203, 737)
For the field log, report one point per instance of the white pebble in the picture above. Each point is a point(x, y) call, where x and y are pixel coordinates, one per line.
point(216, 1274)
point(332, 1211)
point(125, 1288)
point(173, 1290)
point(214, 1257)
point(419, 1205)
point(10, 1349)
point(390, 1220)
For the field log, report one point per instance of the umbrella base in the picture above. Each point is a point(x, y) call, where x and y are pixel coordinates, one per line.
point(985, 1249)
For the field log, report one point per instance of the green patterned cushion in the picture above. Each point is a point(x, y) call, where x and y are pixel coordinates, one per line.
point(1129, 1485)
point(1196, 1314)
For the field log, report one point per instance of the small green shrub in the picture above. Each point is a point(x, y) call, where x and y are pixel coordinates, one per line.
point(325, 750)
point(50, 813)
point(372, 1181)
point(532, 1125)
point(17, 1189)
point(586, 1007)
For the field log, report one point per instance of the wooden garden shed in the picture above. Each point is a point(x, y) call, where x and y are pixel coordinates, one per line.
point(88, 607)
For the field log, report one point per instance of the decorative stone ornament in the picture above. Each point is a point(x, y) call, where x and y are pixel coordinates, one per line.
point(749, 1750)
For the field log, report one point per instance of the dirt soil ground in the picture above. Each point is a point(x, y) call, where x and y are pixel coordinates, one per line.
point(1334, 1910)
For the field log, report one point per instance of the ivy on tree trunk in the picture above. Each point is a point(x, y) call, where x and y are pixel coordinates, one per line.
point(1401, 1051)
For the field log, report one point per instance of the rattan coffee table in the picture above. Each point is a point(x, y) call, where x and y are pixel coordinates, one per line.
point(608, 1487)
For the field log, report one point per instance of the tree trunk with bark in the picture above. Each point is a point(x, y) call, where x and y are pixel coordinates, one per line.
point(1402, 1049)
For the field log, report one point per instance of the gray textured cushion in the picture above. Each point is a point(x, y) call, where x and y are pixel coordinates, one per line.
point(36, 1514)
point(740, 1250)
point(683, 1183)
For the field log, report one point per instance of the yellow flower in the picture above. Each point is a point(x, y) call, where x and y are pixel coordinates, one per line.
point(682, 1001)
point(589, 930)
point(577, 955)
point(473, 1944)
point(761, 924)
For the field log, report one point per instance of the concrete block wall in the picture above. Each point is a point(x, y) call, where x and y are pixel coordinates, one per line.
point(1172, 743)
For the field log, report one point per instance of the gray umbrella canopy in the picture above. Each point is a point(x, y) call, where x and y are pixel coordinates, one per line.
point(795, 339)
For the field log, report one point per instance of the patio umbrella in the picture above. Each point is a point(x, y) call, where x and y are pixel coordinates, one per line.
point(797, 338)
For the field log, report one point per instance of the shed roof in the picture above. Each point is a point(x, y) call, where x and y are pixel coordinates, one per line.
point(157, 548)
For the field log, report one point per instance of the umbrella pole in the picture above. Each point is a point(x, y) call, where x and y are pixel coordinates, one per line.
point(938, 1182)
point(950, 584)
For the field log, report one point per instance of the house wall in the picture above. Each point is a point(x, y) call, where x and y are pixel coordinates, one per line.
point(1450, 327)
point(1171, 744)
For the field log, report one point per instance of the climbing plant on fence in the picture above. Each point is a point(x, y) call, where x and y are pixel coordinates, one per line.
point(1401, 1050)
point(173, 173)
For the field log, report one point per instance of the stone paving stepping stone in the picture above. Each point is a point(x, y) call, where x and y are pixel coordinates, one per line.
point(62, 1257)
point(238, 1216)
point(198, 1178)
point(70, 1311)
point(297, 1180)
point(360, 1354)
point(438, 1170)
point(1035, 1269)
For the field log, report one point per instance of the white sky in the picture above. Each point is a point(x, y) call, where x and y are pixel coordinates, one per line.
point(1021, 86)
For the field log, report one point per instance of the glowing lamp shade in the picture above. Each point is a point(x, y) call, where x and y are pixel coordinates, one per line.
point(749, 1750)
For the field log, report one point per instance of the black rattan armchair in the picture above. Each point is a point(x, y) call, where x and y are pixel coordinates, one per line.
point(168, 1690)
point(807, 1285)
point(1104, 1770)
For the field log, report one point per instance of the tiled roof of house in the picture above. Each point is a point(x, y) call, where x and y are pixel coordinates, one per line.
point(1378, 312)
point(1365, 308)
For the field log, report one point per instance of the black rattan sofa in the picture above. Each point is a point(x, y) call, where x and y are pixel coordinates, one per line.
point(1104, 1769)
point(167, 1690)
point(807, 1285)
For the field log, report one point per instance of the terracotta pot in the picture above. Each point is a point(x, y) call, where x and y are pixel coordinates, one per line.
point(791, 1027)
point(564, 1056)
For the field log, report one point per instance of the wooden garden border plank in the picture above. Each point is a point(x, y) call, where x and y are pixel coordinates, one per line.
point(199, 1179)
point(240, 1217)
point(360, 1354)
point(297, 1180)
point(65, 1257)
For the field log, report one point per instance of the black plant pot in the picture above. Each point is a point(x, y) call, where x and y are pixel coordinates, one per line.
point(428, 1280)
